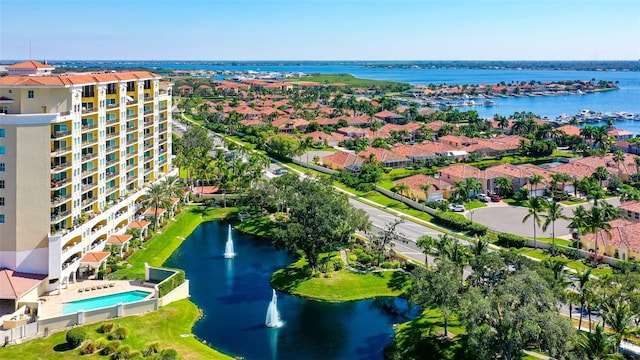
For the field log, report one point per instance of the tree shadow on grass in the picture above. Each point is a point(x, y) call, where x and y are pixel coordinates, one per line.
point(399, 280)
point(418, 340)
point(289, 278)
point(63, 347)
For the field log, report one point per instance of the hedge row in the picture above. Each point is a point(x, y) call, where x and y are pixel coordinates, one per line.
point(171, 283)
point(511, 240)
point(460, 223)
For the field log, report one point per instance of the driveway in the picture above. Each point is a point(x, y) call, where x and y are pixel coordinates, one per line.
point(506, 218)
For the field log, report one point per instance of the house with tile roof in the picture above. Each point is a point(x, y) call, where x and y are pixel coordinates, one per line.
point(390, 117)
point(341, 160)
point(459, 172)
point(439, 189)
point(28, 68)
point(620, 134)
point(624, 243)
point(386, 157)
point(322, 138)
point(569, 130)
point(424, 151)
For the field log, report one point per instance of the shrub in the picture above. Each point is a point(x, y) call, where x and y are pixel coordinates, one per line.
point(452, 221)
point(477, 229)
point(511, 240)
point(168, 354)
point(170, 283)
point(123, 353)
point(151, 348)
point(120, 333)
point(89, 348)
point(337, 264)
point(76, 336)
point(101, 343)
point(390, 265)
point(135, 355)
point(106, 328)
point(111, 348)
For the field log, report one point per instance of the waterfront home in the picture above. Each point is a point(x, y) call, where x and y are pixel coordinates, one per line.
point(569, 130)
point(459, 172)
point(423, 151)
point(519, 176)
point(386, 157)
point(407, 132)
point(620, 134)
point(390, 117)
point(438, 189)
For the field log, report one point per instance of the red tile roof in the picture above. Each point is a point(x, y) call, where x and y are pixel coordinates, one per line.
point(30, 64)
point(68, 80)
point(138, 224)
point(14, 284)
point(569, 130)
point(95, 257)
point(342, 159)
point(119, 239)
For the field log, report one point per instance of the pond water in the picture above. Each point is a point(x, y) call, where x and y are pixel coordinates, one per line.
point(234, 295)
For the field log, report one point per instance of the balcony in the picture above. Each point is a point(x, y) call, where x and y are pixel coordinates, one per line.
point(148, 158)
point(112, 162)
point(89, 127)
point(132, 102)
point(148, 136)
point(113, 121)
point(89, 142)
point(148, 112)
point(148, 146)
point(112, 189)
point(87, 187)
point(148, 123)
point(60, 151)
point(72, 249)
point(131, 129)
point(89, 201)
point(89, 156)
point(59, 200)
point(89, 110)
point(148, 170)
point(59, 216)
point(56, 184)
point(72, 261)
point(60, 134)
point(112, 135)
point(88, 172)
point(131, 179)
point(132, 141)
point(132, 154)
point(113, 106)
point(112, 148)
point(132, 116)
point(111, 175)
point(131, 166)
point(162, 141)
point(60, 167)
point(162, 162)
point(148, 98)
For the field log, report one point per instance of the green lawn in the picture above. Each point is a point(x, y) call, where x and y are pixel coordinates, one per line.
point(574, 202)
point(256, 225)
point(474, 204)
point(343, 285)
point(160, 247)
point(562, 242)
point(513, 202)
point(575, 264)
point(164, 326)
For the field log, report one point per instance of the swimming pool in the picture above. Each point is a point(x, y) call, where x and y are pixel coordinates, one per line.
point(103, 301)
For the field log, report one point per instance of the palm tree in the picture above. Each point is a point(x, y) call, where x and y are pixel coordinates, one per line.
point(554, 212)
point(582, 287)
point(425, 187)
point(536, 206)
point(597, 222)
point(618, 157)
point(303, 147)
point(504, 185)
point(403, 189)
point(619, 317)
point(426, 243)
point(471, 185)
point(534, 179)
point(156, 198)
point(600, 174)
point(596, 345)
point(579, 220)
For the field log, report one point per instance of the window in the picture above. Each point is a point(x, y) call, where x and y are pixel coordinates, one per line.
point(3, 133)
point(1, 184)
point(87, 91)
point(147, 84)
point(111, 89)
point(1, 218)
point(1, 201)
point(131, 86)
point(2, 150)
point(1, 167)
point(30, 94)
point(4, 109)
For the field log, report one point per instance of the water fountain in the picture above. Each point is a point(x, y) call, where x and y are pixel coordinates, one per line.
point(273, 316)
point(228, 248)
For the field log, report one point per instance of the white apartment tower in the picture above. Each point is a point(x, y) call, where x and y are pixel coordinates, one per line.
point(76, 154)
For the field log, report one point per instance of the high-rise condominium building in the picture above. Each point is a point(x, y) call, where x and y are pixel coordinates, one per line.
point(76, 153)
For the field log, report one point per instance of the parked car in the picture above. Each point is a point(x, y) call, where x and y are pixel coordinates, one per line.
point(483, 197)
point(548, 198)
point(456, 207)
point(496, 198)
point(279, 171)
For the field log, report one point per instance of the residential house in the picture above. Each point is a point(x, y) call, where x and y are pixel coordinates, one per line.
point(390, 117)
point(439, 189)
point(322, 138)
point(386, 157)
point(424, 151)
point(341, 160)
point(624, 243)
point(620, 134)
point(459, 172)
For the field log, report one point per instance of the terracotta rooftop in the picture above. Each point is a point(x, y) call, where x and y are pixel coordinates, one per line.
point(15, 284)
point(95, 257)
point(68, 80)
point(30, 64)
point(152, 212)
point(624, 235)
point(138, 224)
point(569, 130)
point(119, 239)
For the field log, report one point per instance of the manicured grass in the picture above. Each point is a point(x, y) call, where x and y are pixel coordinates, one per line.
point(513, 202)
point(164, 326)
point(474, 204)
point(562, 242)
point(349, 80)
point(257, 225)
point(343, 285)
point(160, 247)
point(574, 264)
point(574, 202)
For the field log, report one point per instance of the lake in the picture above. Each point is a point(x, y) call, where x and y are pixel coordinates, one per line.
point(234, 295)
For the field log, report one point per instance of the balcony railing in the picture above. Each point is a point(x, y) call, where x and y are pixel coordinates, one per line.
point(57, 217)
point(148, 123)
point(112, 189)
point(111, 175)
point(162, 162)
point(131, 129)
point(148, 146)
point(148, 112)
point(131, 154)
point(162, 141)
point(148, 135)
point(112, 148)
point(74, 259)
point(60, 183)
point(132, 102)
point(87, 187)
point(112, 106)
point(132, 116)
point(109, 163)
point(90, 200)
point(87, 172)
point(131, 166)
point(112, 135)
point(89, 127)
point(60, 150)
point(60, 134)
point(131, 179)
point(89, 156)
point(132, 141)
point(89, 142)
point(89, 110)
point(60, 199)
point(148, 158)
point(148, 170)
point(113, 121)
point(60, 167)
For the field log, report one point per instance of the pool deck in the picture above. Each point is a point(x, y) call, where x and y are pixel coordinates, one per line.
point(51, 305)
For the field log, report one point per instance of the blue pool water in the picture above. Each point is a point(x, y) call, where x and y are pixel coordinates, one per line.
point(103, 301)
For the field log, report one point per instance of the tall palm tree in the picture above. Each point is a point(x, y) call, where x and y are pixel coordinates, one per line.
point(534, 179)
point(553, 213)
point(619, 317)
point(403, 189)
point(471, 185)
point(582, 286)
point(579, 220)
point(618, 157)
point(425, 187)
point(600, 174)
point(156, 198)
point(596, 345)
point(504, 185)
point(303, 148)
point(427, 244)
point(536, 206)
point(598, 223)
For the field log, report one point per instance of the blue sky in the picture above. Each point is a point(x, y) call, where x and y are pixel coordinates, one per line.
point(320, 29)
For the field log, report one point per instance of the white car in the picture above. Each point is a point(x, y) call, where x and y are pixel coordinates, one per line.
point(483, 197)
point(456, 207)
